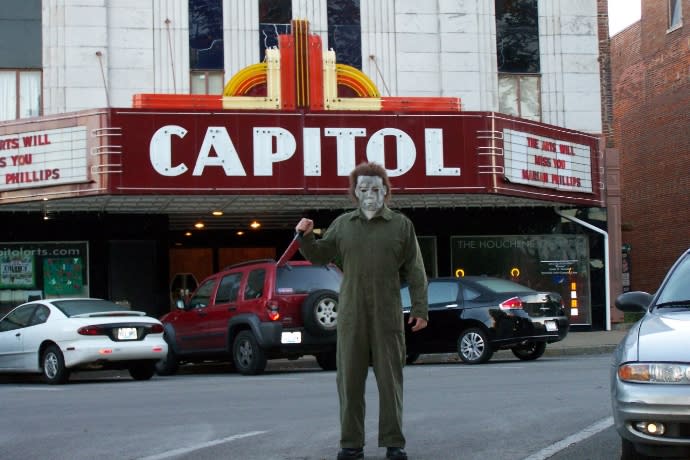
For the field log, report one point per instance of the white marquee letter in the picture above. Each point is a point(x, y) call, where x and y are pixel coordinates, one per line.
point(433, 139)
point(404, 146)
point(217, 137)
point(311, 140)
point(264, 156)
point(160, 151)
point(345, 147)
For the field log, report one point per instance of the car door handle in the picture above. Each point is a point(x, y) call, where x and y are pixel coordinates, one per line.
point(201, 313)
point(18, 334)
point(453, 305)
point(232, 308)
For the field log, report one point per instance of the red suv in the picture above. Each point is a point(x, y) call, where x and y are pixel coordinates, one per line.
point(255, 311)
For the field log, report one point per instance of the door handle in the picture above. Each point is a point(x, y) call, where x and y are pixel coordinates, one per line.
point(453, 305)
point(232, 308)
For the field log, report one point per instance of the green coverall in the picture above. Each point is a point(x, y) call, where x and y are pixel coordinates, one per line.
point(375, 255)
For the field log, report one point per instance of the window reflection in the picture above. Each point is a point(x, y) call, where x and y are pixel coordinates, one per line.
point(274, 20)
point(206, 34)
point(344, 31)
point(517, 36)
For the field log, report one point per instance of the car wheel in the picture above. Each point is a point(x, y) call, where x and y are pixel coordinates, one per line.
point(169, 364)
point(529, 351)
point(411, 357)
point(142, 370)
point(327, 360)
point(320, 312)
point(628, 451)
point(474, 347)
point(53, 364)
point(247, 355)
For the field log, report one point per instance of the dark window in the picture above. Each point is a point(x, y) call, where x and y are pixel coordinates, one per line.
point(17, 319)
point(517, 36)
point(206, 34)
point(255, 284)
point(229, 288)
point(87, 306)
point(41, 315)
point(345, 31)
point(675, 14)
point(202, 296)
point(274, 20)
point(307, 278)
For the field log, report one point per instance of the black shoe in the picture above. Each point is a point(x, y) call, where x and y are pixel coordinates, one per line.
point(349, 453)
point(396, 453)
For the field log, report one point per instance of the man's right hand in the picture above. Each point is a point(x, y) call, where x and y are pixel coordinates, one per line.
point(305, 226)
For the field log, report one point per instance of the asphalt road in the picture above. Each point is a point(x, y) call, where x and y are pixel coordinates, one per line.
point(555, 407)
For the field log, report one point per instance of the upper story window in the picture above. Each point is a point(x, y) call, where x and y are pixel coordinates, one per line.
point(206, 46)
point(675, 14)
point(517, 36)
point(345, 31)
point(518, 61)
point(274, 20)
point(20, 93)
point(21, 60)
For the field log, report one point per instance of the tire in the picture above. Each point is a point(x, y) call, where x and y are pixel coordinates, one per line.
point(247, 355)
point(474, 346)
point(411, 357)
point(320, 312)
point(53, 366)
point(168, 365)
point(628, 451)
point(529, 351)
point(327, 360)
point(142, 370)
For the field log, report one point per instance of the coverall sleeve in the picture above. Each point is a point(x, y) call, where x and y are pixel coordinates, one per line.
point(323, 250)
point(412, 271)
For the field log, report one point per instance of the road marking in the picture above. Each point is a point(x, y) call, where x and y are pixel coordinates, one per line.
point(203, 445)
point(588, 432)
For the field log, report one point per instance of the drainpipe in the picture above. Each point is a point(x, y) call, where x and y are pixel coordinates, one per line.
point(607, 305)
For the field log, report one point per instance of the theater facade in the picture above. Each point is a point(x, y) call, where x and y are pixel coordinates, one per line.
point(138, 204)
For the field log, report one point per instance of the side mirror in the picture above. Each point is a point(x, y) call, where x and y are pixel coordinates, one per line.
point(634, 301)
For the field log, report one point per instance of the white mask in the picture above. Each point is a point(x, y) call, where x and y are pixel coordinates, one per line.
point(370, 193)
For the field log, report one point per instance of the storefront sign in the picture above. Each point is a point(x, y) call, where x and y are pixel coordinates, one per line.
point(547, 162)
point(43, 158)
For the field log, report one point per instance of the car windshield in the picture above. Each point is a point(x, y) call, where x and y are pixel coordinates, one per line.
point(300, 279)
point(676, 290)
point(500, 285)
point(87, 306)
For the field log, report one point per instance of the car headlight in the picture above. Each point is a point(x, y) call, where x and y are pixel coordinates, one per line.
point(655, 373)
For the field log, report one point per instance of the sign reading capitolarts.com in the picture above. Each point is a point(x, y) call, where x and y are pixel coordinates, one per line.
point(43, 158)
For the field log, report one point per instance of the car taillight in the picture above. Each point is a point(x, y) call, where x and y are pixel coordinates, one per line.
point(273, 311)
point(514, 303)
point(91, 330)
point(156, 329)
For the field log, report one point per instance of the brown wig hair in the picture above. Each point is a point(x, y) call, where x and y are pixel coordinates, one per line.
point(369, 169)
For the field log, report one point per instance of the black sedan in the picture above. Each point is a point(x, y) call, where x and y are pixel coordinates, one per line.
point(477, 315)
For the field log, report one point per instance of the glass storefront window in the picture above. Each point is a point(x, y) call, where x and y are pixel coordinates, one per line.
point(558, 262)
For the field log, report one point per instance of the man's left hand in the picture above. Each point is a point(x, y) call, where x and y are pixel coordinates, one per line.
point(417, 323)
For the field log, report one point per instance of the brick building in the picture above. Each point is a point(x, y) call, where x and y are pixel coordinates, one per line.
point(650, 67)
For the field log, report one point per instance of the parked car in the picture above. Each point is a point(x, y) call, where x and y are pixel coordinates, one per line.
point(255, 311)
point(650, 374)
point(477, 315)
point(55, 337)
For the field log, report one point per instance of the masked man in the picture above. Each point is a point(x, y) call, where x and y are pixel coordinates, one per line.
point(377, 247)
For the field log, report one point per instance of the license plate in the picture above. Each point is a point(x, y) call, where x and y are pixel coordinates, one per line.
point(127, 333)
point(291, 337)
point(551, 326)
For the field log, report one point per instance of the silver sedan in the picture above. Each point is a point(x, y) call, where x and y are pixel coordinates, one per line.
point(650, 375)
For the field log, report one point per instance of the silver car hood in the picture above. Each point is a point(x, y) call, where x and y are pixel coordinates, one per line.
point(665, 337)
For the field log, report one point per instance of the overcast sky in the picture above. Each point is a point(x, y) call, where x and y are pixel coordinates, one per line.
point(622, 13)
